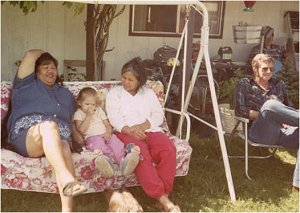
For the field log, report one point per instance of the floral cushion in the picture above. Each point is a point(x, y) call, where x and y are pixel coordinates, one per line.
point(36, 174)
point(6, 87)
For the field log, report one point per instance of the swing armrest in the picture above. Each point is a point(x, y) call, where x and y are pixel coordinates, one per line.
point(188, 122)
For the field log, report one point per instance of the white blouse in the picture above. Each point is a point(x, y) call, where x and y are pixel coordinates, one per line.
point(124, 109)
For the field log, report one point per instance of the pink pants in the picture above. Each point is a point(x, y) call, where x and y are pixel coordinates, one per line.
point(159, 149)
point(113, 147)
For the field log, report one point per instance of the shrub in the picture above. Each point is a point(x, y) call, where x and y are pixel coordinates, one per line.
point(227, 87)
point(291, 78)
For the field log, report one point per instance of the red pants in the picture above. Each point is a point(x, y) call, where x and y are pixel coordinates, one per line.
point(159, 149)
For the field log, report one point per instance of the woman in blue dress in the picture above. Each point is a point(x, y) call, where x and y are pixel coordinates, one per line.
point(40, 123)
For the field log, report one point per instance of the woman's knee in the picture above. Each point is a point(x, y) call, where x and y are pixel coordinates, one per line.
point(172, 147)
point(48, 126)
point(170, 152)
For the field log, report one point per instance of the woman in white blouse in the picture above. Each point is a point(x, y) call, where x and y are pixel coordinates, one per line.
point(135, 112)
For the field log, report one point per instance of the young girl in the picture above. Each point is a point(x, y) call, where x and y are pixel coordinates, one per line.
point(92, 122)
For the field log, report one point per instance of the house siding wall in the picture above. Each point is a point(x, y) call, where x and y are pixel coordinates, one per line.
point(54, 28)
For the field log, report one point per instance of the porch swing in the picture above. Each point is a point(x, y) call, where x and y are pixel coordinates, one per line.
point(36, 174)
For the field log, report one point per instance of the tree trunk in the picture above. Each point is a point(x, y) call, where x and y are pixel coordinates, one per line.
point(90, 47)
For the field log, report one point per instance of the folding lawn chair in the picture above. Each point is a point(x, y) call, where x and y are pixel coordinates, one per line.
point(244, 135)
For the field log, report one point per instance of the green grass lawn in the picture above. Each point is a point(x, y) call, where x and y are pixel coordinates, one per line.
point(203, 189)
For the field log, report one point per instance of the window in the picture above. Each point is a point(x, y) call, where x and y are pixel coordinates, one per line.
point(168, 20)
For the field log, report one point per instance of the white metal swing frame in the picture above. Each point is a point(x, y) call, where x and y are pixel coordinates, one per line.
point(200, 8)
point(186, 100)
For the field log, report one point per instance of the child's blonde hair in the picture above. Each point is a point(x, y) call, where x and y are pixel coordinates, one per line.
point(88, 91)
point(122, 201)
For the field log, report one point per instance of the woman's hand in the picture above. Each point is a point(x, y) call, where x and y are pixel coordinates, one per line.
point(141, 127)
point(126, 130)
point(134, 131)
point(137, 128)
point(28, 62)
point(140, 135)
point(285, 126)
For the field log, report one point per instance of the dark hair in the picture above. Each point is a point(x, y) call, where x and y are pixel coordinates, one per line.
point(268, 31)
point(136, 66)
point(47, 58)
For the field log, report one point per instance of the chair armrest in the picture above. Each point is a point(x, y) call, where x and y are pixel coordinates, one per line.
point(188, 121)
point(245, 120)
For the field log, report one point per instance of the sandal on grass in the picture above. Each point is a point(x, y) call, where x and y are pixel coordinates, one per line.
point(73, 188)
point(174, 208)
